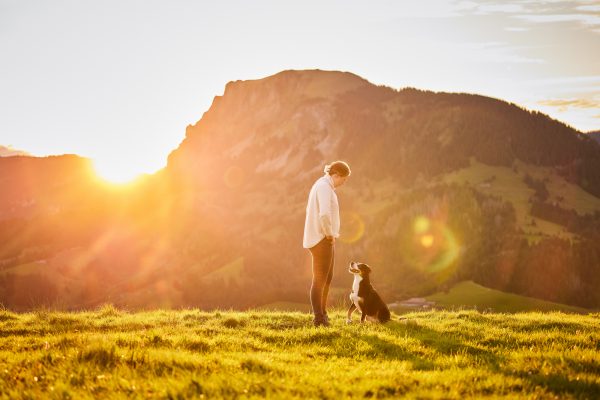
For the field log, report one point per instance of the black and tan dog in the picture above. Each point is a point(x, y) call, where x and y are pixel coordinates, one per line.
point(364, 297)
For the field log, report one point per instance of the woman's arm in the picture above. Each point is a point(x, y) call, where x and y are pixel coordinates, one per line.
point(324, 196)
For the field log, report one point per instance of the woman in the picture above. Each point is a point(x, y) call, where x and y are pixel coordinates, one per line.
point(321, 228)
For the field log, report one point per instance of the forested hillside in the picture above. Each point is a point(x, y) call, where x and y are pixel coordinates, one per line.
point(445, 187)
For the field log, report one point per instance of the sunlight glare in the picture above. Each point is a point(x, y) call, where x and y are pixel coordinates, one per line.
point(115, 172)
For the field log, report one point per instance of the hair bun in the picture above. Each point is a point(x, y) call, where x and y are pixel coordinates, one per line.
point(340, 168)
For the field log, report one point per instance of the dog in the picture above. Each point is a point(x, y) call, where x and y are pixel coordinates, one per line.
point(364, 297)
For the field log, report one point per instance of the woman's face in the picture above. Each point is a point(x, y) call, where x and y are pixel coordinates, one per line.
point(338, 180)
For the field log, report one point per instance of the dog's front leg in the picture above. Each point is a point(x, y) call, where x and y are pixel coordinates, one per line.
point(362, 317)
point(350, 311)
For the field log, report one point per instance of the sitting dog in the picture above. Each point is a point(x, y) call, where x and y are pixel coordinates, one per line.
point(364, 297)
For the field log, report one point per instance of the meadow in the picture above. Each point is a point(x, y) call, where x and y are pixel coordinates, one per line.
point(468, 294)
point(507, 184)
point(110, 353)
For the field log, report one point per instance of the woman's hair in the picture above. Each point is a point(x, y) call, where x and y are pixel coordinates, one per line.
point(337, 167)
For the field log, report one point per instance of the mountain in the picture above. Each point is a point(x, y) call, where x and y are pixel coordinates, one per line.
point(66, 238)
point(446, 187)
point(595, 135)
point(40, 185)
point(9, 151)
point(247, 165)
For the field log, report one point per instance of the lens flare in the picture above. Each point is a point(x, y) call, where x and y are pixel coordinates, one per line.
point(421, 225)
point(427, 240)
point(352, 227)
point(433, 247)
point(448, 254)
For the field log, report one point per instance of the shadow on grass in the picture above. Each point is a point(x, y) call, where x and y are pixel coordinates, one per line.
point(446, 343)
point(391, 351)
point(561, 385)
point(566, 327)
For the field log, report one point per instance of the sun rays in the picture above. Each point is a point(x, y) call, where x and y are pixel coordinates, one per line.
point(116, 173)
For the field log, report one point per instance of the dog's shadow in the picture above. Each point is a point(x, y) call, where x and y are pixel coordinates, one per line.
point(429, 349)
point(430, 344)
point(391, 351)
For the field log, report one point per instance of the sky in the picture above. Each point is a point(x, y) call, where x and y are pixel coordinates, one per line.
point(118, 81)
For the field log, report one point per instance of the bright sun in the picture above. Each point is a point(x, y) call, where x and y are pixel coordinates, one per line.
point(115, 172)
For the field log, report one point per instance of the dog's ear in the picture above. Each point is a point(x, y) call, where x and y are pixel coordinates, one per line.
point(365, 268)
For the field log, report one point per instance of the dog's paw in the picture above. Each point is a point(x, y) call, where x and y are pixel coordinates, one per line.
point(348, 321)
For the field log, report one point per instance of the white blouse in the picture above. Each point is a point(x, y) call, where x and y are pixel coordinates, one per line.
point(322, 201)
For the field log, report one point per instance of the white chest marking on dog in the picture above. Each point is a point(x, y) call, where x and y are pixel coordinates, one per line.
point(354, 295)
point(356, 284)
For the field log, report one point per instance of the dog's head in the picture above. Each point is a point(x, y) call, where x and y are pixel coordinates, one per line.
point(358, 268)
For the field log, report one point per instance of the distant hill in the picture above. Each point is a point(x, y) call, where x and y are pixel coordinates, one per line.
point(595, 135)
point(41, 185)
point(9, 151)
point(471, 295)
point(446, 187)
point(463, 295)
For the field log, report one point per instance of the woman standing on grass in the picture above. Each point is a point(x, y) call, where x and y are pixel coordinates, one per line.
point(321, 228)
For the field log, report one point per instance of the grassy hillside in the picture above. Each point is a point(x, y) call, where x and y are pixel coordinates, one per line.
point(258, 354)
point(507, 183)
point(471, 295)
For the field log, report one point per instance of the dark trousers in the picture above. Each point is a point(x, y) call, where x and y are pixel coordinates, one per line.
point(322, 267)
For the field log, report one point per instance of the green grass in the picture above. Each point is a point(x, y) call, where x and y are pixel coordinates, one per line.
point(259, 354)
point(286, 306)
point(471, 295)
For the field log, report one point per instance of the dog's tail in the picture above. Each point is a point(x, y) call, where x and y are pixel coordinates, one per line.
point(383, 315)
